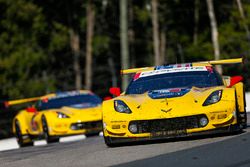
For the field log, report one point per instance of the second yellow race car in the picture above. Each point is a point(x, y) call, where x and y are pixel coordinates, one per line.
point(60, 114)
point(175, 101)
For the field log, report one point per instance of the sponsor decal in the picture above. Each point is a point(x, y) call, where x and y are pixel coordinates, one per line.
point(66, 94)
point(173, 66)
point(70, 93)
point(34, 124)
point(172, 70)
point(168, 93)
point(83, 105)
point(45, 100)
point(210, 69)
point(137, 75)
point(169, 133)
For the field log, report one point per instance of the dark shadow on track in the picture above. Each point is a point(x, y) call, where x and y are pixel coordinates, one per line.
point(229, 153)
point(179, 139)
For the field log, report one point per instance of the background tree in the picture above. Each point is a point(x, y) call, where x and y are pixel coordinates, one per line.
point(89, 38)
point(23, 32)
point(124, 40)
point(75, 45)
point(215, 33)
point(243, 17)
point(196, 20)
point(156, 39)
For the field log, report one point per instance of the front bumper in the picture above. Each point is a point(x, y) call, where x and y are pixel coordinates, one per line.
point(170, 127)
point(222, 130)
point(89, 127)
point(77, 128)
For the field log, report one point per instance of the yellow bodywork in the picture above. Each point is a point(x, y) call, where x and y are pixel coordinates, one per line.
point(143, 107)
point(222, 114)
point(31, 122)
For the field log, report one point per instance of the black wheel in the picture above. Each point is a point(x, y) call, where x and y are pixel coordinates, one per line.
point(19, 136)
point(245, 113)
point(243, 120)
point(241, 116)
point(245, 123)
point(109, 142)
point(48, 138)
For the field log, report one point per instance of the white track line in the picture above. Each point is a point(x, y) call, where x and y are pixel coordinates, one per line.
point(72, 138)
point(11, 143)
point(62, 140)
point(101, 134)
point(8, 144)
point(248, 101)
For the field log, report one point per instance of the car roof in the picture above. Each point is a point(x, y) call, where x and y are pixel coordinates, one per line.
point(173, 68)
point(65, 94)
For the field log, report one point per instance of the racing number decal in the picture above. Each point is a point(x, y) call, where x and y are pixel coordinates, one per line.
point(34, 124)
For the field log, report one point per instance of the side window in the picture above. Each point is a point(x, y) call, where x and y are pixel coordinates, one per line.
point(219, 78)
point(38, 105)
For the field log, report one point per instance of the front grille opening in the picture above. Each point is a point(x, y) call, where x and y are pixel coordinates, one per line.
point(86, 125)
point(160, 125)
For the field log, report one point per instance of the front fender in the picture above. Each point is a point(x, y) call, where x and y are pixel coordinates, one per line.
point(50, 117)
point(24, 119)
point(240, 96)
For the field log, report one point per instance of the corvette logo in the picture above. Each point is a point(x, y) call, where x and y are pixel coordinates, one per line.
point(166, 111)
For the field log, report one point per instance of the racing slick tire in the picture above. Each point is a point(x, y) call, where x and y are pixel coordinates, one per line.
point(245, 113)
point(48, 138)
point(109, 142)
point(19, 136)
point(241, 116)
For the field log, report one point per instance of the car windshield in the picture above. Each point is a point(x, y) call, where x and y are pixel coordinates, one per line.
point(175, 80)
point(78, 101)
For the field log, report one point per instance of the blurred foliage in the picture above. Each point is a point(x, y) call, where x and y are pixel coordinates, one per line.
point(35, 53)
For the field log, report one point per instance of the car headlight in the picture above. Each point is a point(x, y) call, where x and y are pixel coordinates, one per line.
point(121, 107)
point(203, 121)
point(61, 115)
point(213, 98)
point(133, 128)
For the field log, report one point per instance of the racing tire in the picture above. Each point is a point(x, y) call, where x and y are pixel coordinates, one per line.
point(243, 123)
point(48, 138)
point(241, 116)
point(109, 142)
point(19, 136)
point(245, 113)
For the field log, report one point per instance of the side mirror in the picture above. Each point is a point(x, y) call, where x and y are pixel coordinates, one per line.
point(107, 98)
point(4, 105)
point(31, 109)
point(115, 91)
point(234, 80)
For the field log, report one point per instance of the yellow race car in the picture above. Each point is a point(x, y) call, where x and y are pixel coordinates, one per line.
point(175, 101)
point(56, 115)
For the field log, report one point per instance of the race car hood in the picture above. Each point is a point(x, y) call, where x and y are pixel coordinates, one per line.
point(169, 102)
point(83, 114)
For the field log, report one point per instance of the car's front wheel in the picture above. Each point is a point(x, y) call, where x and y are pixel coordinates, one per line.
point(19, 136)
point(242, 119)
point(48, 138)
point(109, 142)
point(241, 116)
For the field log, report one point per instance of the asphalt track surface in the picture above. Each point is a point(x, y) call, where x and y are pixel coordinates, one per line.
point(224, 150)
